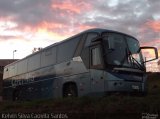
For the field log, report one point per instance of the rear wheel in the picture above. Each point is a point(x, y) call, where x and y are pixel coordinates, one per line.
point(70, 90)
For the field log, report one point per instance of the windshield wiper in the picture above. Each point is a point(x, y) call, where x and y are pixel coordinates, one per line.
point(134, 61)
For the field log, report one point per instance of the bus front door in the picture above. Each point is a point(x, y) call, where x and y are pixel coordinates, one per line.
point(97, 82)
point(96, 72)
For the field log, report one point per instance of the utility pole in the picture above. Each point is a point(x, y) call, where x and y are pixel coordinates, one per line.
point(14, 52)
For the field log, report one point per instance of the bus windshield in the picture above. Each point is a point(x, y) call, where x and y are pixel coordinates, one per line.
point(122, 51)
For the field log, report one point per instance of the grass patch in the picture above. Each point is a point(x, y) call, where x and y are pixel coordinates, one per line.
point(111, 104)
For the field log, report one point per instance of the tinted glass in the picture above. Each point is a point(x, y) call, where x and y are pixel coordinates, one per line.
point(122, 50)
point(133, 46)
point(117, 56)
point(67, 49)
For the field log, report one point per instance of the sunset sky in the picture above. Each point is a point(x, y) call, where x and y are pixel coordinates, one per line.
point(25, 24)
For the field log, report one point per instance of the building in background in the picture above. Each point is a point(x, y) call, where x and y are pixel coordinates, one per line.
point(153, 66)
point(3, 63)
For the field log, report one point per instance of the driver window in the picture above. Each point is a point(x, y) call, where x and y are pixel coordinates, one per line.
point(96, 57)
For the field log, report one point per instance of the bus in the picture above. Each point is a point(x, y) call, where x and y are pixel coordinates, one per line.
point(94, 62)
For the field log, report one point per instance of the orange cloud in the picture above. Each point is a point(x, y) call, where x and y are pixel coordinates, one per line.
point(155, 25)
point(152, 42)
point(149, 54)
point(61, 29)
point(45, 34)
point(51, 25)
point(69, 6)
point(46, 30)
point(84, 27)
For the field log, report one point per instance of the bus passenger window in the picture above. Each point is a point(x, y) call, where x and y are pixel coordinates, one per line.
point(95, 57)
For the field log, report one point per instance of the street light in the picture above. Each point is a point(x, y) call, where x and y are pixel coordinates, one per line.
point(14, 52)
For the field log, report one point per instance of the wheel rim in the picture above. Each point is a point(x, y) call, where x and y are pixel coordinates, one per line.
point(71, 91)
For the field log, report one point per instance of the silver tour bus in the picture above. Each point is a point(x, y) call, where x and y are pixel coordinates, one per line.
point(93, 62)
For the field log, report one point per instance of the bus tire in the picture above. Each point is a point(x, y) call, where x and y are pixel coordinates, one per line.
point(70, 90)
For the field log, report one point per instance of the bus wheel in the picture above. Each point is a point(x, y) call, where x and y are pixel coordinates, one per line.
point(70, 90)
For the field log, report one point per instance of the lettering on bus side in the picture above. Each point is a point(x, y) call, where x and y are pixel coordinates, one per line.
point(16, 82)
point(29, 78)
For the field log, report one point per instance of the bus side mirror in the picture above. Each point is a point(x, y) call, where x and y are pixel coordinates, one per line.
point(149, 53)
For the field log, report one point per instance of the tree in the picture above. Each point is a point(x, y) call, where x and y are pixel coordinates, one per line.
point(36, 49)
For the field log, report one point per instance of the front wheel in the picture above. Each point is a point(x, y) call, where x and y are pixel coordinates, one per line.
point(70, 90)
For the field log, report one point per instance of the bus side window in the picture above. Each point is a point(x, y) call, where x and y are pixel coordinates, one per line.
point(96, 60)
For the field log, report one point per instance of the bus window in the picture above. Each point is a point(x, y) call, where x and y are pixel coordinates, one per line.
point(96, 60)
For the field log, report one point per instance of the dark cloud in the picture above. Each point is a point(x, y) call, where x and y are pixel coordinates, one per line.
point(29, 12)
point(129, 17)
point(71, 16)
